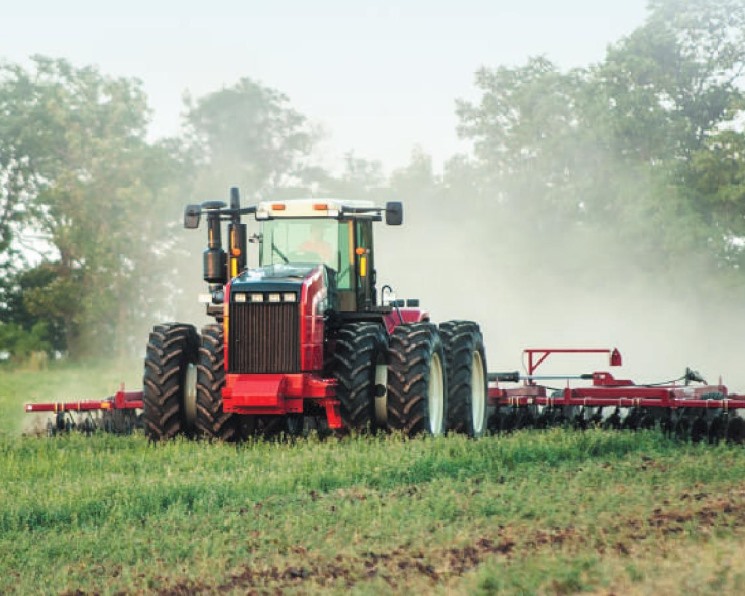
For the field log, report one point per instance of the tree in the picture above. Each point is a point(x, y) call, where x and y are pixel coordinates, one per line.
point(617, 151)
point(674, 80)
point(249, 136)
point(525, 134)
point(360, 179)
point(668, 99)
point(18, 300)
point(77, 169)
point(417, 180)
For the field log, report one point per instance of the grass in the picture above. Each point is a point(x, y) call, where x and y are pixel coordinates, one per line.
point(535, 512)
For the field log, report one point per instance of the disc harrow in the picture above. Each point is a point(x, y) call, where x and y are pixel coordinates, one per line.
point(686, 409)
point(696, 413)
point(118, 414)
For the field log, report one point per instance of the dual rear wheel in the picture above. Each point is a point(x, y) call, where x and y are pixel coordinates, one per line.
point(437, 379)
point(417, 380)
point(467, 377)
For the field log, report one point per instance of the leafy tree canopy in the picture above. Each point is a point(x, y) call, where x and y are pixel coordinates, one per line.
point(77, 170)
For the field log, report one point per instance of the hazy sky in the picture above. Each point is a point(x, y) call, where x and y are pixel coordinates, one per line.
point(379, 77)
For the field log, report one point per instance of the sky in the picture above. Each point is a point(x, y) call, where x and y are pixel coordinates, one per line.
point(378, 78)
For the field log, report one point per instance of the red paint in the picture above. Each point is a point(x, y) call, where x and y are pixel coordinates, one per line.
point(537, 356)
point(313, 301)
point(121, 400)
point(280, 394)
point(607, 391)
point(408, 315)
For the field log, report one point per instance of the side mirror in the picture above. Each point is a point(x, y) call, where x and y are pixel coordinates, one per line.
point(192, 214)
point(394, 213)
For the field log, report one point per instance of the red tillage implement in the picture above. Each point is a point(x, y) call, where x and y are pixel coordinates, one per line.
point(701, 412)
point(117, 413)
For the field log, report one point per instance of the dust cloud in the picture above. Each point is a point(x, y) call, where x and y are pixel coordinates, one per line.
point(526, 292)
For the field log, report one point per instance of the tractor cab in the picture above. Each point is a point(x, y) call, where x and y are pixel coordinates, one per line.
point(305, 233)
point(296, 237)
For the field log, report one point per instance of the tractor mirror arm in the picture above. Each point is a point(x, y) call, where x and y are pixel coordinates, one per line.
point(193, 213)
point(394, 212)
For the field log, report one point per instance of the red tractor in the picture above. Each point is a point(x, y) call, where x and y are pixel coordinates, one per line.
point(305, 339)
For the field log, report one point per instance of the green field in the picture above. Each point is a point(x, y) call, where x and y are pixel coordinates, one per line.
point(535, 512)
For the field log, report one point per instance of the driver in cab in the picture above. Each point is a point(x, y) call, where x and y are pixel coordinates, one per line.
point(317, 245)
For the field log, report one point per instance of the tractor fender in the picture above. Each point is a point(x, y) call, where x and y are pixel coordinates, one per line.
point(404, 315)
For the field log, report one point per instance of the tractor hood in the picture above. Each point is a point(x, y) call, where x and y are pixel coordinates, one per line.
point(272, 278)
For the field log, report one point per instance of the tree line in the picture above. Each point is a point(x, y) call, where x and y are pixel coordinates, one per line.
point(642, 154)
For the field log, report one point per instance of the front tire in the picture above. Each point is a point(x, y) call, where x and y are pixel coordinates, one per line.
point(169, 359)
point(417, 381)
point(211, 421)
point(360, 350)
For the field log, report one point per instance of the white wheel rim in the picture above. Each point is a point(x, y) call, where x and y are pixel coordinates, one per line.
point(190, 394)
point(478, 395)
point(381, 401)
point(435, 396)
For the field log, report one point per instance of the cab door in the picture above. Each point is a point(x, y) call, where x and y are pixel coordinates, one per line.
point(365, 279)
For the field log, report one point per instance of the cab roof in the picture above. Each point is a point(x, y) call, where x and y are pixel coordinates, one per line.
point(316, 208)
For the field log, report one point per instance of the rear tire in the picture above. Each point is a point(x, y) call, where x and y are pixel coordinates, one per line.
point(417, 380)
point(467, 377)
point(171, 351)
point(360, 348)
point(211, 421)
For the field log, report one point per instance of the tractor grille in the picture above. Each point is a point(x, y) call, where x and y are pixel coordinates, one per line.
point(264, 338)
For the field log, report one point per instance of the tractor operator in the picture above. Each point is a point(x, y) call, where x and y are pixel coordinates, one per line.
point(317, 244)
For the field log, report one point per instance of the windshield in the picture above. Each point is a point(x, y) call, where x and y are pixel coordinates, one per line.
point(300, 241)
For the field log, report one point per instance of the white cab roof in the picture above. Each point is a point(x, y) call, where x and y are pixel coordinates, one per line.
point(292, 208)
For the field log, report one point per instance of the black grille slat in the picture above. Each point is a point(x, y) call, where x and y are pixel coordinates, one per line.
point(264, 338)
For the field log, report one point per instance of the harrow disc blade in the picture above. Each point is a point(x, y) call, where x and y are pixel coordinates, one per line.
point(597, 417)
point(508, 422)
point(668, 425)
point(717, 429)
point(613, 421)
point(682, 428)
point(647, 421)
point(699, 430)
point(736, 430)
point(632, 420)
point(524, 419)
point(580, 422)
point(557, 416)
point(543, 419)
